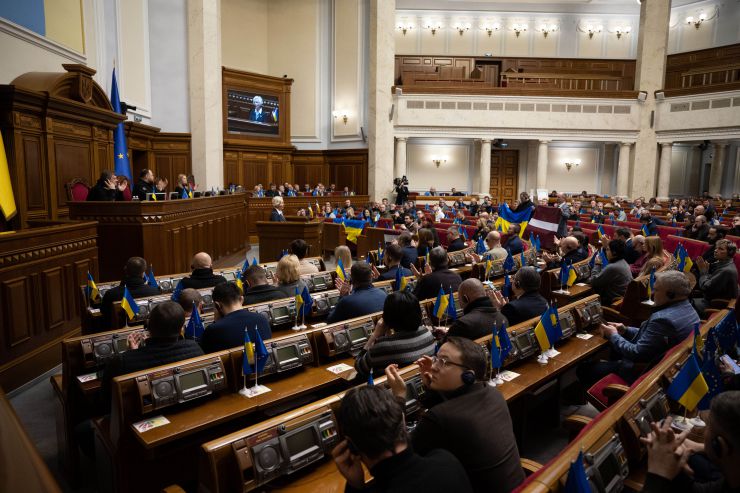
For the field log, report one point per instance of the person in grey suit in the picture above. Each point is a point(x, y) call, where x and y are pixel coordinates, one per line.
point(611, 282)
point(717, 280)
point(277, 209)
point(564, 215)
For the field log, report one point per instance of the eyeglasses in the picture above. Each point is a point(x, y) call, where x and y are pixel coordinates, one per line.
point(443, 362)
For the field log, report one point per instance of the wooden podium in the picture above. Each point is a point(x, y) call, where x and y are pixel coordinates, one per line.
point(276, 237)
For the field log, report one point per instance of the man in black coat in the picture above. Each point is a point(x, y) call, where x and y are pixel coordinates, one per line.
point(393, 256)
point(202, 275)
point(410, 253)
point(145, 184)
point(429, 284)
point(525, 203)
point(529, 303)
point(133, 279)
point(454, 241)
point(106, 189)
point(277, 210)
point(258, 290)
point(717, 280)
point(230, 321)
point(570, 252)
point(465, 415)
point(514, 242)
point(480, 316)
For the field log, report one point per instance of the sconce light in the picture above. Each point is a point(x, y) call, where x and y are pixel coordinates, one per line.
point(434, 26)
point(593, 30)
point(439, 160)
point(490, 28)
point(462, 27)
point(545, 29)
point(519, 28)
point(572, 162)
point(620, 30)
point(642, 96)
point(343, 114)
point(696, 21)
point(405, 26)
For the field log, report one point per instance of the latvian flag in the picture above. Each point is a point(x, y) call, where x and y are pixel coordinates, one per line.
point(544, 223)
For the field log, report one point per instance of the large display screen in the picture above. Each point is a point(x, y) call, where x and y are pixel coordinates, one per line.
point(252, 113)
point(189, 381)
point(287, 353)
point(300, 442)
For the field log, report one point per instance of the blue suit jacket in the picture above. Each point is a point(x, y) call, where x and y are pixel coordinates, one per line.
point(361, 302)
point(514, 243)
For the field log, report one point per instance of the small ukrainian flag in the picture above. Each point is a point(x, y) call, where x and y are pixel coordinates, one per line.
point(93, 294)
point(340, 270)
point(128, 303)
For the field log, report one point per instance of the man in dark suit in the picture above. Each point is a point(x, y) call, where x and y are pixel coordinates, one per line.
point(455, 193)
point(717, 280)
point(145, 185)
point(529, 303)
point(465, 415)
point(258, 289)
point(107, 188)
point(454, 241)
point(513, 242)
point(428, 285)
point(227, 331)
point(133, 279)
point(202, 275)
point(277, 210)
point(480, 316)
point(410, 254)
point(258, 113)
point(365, 298)
point(272, 191)
point(570, 252)
point(393, 256)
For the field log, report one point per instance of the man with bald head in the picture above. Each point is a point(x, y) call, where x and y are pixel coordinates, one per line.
point(202, 275)
point(495, 250)
point(700, 229)
point(480, 315)
point(570, 252)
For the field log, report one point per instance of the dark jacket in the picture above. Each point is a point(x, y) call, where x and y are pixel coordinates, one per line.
point(474, 424)
point(262, 293)
point(362, 301)
point(479, 319)
point(720, 282)
point(410, 255)
point(202, 278)
point(138, 288)
point(528, 305)
point(524, 206)
point(428, 285)
point(228, 332)
point(514, 244)
point(390, 274)
point(154, 352)
point(101, 192)
point(275, 216)
point(456, 245)
point(141, 189)
point(571, 257)
point(630, 254)
point(684, 484)
point(700, 234)
point(610, 282)
point(437, 472)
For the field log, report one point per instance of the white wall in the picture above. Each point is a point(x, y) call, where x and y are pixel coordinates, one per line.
point(584, 177)
point(456, 172)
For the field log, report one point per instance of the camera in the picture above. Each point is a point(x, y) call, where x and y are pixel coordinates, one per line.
point(401, 181)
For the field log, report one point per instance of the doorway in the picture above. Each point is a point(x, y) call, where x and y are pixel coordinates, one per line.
point(504, 175)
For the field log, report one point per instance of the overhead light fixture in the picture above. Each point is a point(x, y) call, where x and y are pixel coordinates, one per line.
point(545, 29)
point(490, 28)
point(591, 29)
point(569, 163)
point(519, 28)
point(434, 27)
point(404, 27)
point(620, 30)
point(343, 114)
point(696, 21)
point(439, 160)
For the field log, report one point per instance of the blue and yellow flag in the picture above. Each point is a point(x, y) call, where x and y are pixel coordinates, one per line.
point(570, 277)
point(451, 308)
point(440, 306)
point(489, 267)
point(504, 341)
point(548, 331)
point(309, 211)
point(92, 292)
point(644, 230)
point(128, 303)
point(651, 284)
point(401, 281)
point(248, 354)
point(353, 228)
point(307, 301)
point(480, 247)
point(340, 270)
point(370, 379)
point(381, 253)
point(604, 258)
point(577, 481)
point(7, 199)
point(194, 329)
point(298, 302)
point(600, 231)
point(506, 217)
point(496, 360)
point(684, 261)
point(426, 258)
point(689, 385)
point(523, 260)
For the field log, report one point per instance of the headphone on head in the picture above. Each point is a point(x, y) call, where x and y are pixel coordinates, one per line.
point(468, 377)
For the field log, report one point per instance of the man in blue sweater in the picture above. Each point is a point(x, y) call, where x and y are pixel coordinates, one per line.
point(365, 298)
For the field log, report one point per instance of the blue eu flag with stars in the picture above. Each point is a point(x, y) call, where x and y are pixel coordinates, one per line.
point(120, 149)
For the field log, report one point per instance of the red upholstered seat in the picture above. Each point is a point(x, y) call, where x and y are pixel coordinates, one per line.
point(694, 248)
point(384, 222)
point(77, 190)
point(597, 390)
point(665, 231)
point(735, 239)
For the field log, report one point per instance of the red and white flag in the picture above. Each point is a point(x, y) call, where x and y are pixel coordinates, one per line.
point(544, 223)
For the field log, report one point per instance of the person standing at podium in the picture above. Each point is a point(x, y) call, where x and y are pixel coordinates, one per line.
point(277, 210)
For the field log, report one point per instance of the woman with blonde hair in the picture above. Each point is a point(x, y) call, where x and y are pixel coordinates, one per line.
point(288, 276)
point(654, 258)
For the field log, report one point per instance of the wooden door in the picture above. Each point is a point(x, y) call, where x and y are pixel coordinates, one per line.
point(504, 175)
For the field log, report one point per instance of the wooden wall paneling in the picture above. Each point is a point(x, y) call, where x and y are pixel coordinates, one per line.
point(18, 321)
point(52, 299)
point(35, 197)
point(349, 168)
point(232, 169)
point(73, 159)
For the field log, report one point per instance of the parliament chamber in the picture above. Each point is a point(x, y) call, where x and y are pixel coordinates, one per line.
point(435, 245)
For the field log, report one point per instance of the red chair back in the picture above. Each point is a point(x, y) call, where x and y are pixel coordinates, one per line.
point(77, 190)
point(735, 239)
point(694, 248)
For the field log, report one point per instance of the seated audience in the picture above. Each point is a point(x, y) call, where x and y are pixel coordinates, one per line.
point(145, 185)
point(182, 184)
point(639, 247)
point(189, 299)
point(630, 254)
point(465, 415)
point(514, 242)
point(108, 188)
point(428, 285)
point(717, 280)
point(257, 289)
point(299, 248)
point(392, 258)
point(635, 350)
point(495, 250)
point(715, 233)
point(133, 279)
point(611, 282)
point(651, 223)
point(288, 278)
point(735, 231)
point(527, 303)
point(699, 230)
point(409, 223)
point(426, 242)
point(364, 299)
point(480, 316)
point(230, 321)
point(454, 240)
point(373, 430)
point(202, 275)
point(428, 223)
point(570, 252)
point(399, 337)
point(410, 253)
point(343, 252)
point(653, 257)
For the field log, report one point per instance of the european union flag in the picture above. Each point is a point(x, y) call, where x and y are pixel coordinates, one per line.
point(307, 301)
point(194, 329)
point(506, 291)
point(504, 341)
point(524, 260)
point(370, 380)
point(176, 293)
point(577, 481)
point(480, 247)
point(120, 149)
point(451, 308)
point(727, 332)
point(592, 262)
point(509, 262)
point(150, 279)
point(497, 361)
point(713, 377)
point(260, 351)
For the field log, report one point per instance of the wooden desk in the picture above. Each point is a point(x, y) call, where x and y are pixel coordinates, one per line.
point(575, 292)
point(275, 237)
point(166, 233)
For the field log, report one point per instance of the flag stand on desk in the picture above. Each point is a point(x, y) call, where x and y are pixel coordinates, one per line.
point(260, 353)
point(650, 289)
point(496, 359)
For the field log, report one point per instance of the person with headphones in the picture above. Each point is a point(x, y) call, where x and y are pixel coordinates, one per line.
point(373, 430)
point(465, 415)
point(480, 316)
point(633, 349)
point(668, 452)
point(528, 302)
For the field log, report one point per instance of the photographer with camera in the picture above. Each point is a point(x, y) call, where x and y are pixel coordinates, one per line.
point(401, 189)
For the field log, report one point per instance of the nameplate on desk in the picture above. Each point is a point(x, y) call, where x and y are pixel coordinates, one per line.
point(581, 284)
point(151, 423)
point(585, 337)
point(318, 325)
point(508, 375)
point(87, 378)
point(340, 368)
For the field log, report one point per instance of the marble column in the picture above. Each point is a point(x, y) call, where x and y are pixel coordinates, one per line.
point(400, 157)
point(664, 176)
point(485, 167)
point(623, 170)
point(718, 168)
point(542, 164)
point(652, 47)
point(204, 76)
point(380, 99)
point(736, 186)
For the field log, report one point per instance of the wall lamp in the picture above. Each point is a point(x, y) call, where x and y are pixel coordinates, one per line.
point(439, 160)
point(434, 27)
point(545, 29)
point(696, 21)
point(490, 28)
point(343, 114)
point(519, 28)
point(593, 30)
point(620, 30)
point(404, 27)
point(461, 28)
point(572, 162)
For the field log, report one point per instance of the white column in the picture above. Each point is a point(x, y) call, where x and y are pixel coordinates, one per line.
point(623, 169)
point(400, 157)
point(542, 164)
point(718, 168)
point(664, 176)
point(485, 167)
point(380, 130)
point(204, 75)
